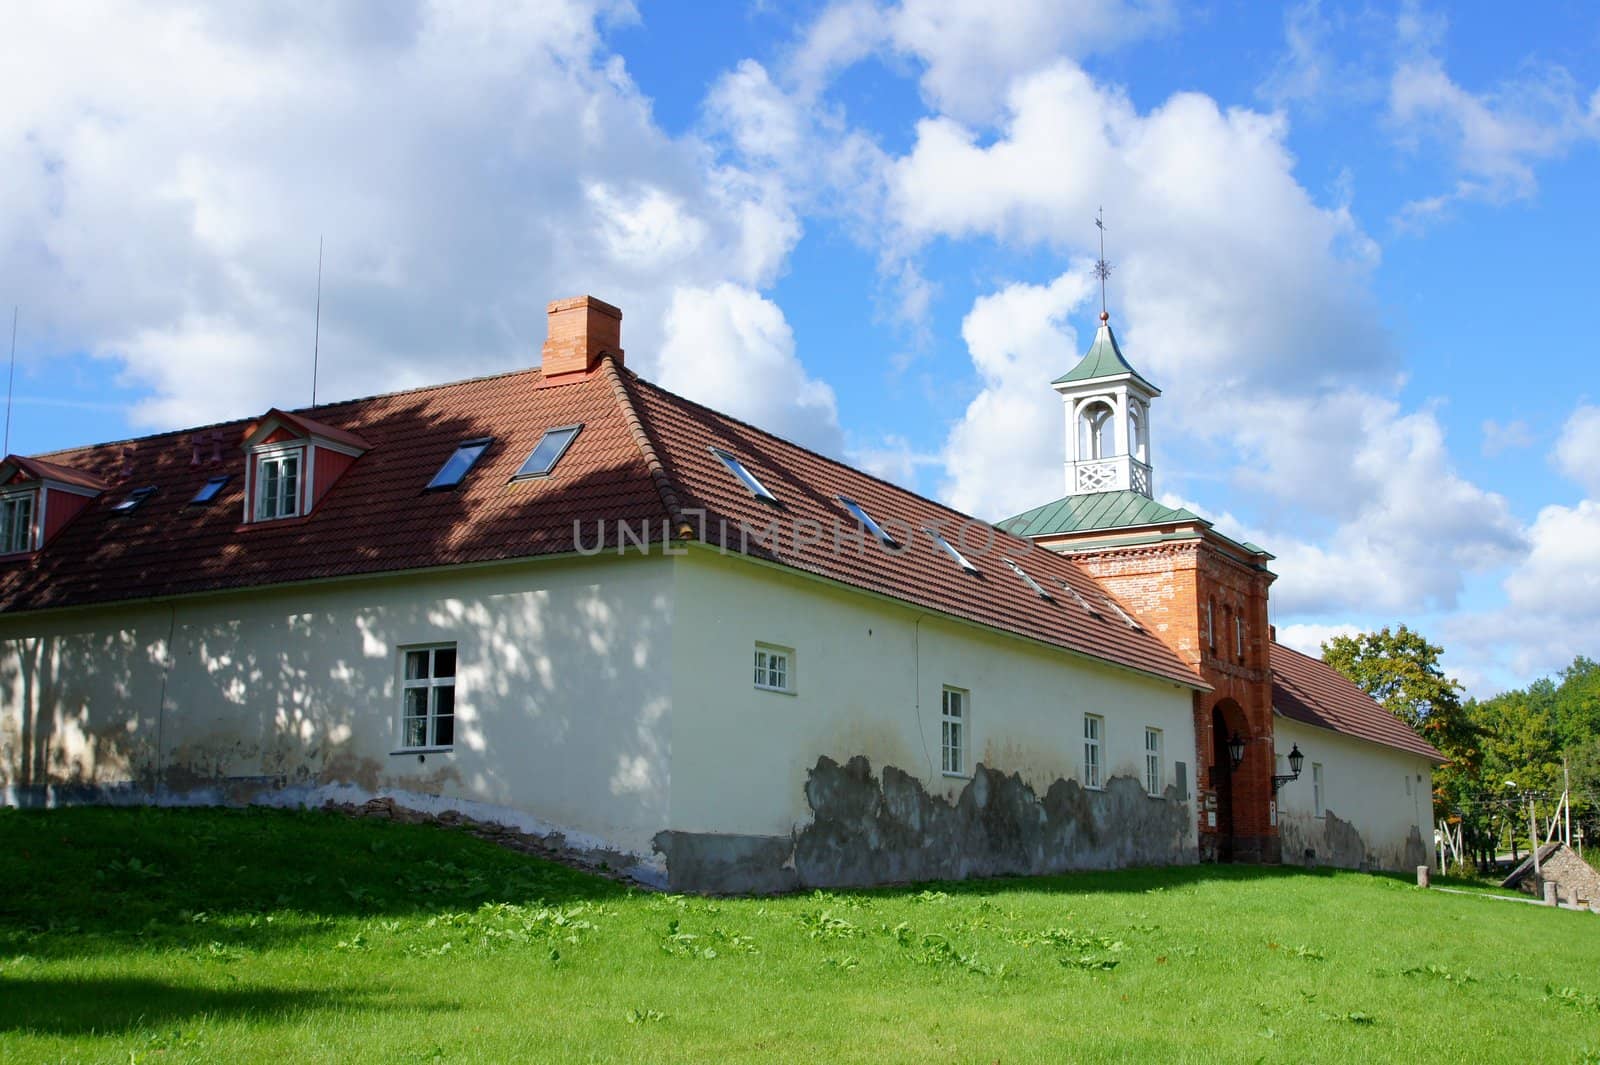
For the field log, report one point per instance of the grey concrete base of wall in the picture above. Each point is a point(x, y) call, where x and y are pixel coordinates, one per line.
point(1330, 840)
point(648, 870)
point(868, 829)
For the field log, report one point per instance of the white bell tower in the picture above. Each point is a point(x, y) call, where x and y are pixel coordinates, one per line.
point(1108, 420)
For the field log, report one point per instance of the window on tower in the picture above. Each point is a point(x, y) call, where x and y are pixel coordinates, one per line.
point(1097, 432)
point(1136, 441)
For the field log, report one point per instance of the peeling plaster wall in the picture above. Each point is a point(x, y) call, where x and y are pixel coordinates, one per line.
point(563, 691)
point(871, 828)
point(1378, 802)
point(868, 679)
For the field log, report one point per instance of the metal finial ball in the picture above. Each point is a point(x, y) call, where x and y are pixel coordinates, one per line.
point(1105, 317)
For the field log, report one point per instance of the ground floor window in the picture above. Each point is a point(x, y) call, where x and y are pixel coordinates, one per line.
point(774, 668)
point(428, 696)
point(1094, 730)
point(953, 731)
point(1152, 761)
point(1319, 797)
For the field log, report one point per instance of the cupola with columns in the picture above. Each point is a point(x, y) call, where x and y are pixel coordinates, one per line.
point(1108, 420)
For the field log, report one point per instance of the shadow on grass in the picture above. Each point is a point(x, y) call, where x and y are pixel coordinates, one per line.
point(1101, 882)
point(114, 1005)
point(85, 881)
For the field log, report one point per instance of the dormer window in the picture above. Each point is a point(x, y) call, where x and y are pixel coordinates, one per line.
point(278, 486)
point(16, 523)
point(292, 462)
point(38, 499)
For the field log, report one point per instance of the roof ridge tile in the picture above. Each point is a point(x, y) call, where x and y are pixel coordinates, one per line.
point(659, 476)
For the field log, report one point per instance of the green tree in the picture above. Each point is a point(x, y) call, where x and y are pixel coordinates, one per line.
point(1400, 669)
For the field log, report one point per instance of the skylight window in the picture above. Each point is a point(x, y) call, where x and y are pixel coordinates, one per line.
point(949, 549)
point(547, 452)
point(460, 462)
point(866, 520)
point(209, 490)
point(737, 468)
point(1029, 581)
point(1076, 598)
point(1127, 618)
point(134, 498)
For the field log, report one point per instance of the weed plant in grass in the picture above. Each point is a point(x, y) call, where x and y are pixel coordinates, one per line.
point(216, 935)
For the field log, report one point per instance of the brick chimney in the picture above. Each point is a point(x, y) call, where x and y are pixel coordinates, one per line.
point(582, 328)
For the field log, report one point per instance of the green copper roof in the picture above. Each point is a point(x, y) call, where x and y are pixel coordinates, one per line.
point(1103, 360)
point(1100, 510)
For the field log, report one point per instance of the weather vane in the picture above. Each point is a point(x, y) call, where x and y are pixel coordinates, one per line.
point(1102, 269)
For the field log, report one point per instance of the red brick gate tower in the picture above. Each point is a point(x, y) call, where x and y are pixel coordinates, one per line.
point(1204, 594)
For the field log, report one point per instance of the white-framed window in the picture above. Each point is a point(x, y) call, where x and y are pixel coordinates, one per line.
point(1152, 761)
point(953, 732)
point(278, 485)
point(1211, 627)
point(16, 523)
point(774, 670)
point(428, 696)
point(1094, 731)
point(1238, 635)
point(1319, 797)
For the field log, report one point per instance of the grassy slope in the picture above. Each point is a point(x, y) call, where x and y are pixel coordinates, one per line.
point(142, 935)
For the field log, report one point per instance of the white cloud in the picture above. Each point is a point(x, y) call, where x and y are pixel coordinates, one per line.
point(969, 50)
point(1005, 453)
point(1577, 453)
point(1301, 72)
point(1561, 574)
point(169, 176)
point(895, 459)
point(1278, 376)
point(1308, 638)
point(1493, 138)
point(1552, 608)
point(1406, 526)
point(1227, 270)
point(1500, 437)
point(730, 348)
point(1311, 71)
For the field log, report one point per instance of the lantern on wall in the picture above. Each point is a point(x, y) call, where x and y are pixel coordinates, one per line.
point(1296, 760)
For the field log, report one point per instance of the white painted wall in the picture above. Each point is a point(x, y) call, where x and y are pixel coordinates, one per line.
point(869, 674)
point(610, 698)
point(1381, 791)
point(563, 691)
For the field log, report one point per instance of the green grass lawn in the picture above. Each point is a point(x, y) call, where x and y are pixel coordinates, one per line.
point(204, 935)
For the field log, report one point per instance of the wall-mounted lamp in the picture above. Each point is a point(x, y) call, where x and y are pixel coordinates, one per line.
point(1296, 760)
point(1236, 750)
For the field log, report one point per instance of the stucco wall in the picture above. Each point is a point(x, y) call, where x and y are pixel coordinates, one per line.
point(748, 765)
point(563, 691)
point(1373, 816)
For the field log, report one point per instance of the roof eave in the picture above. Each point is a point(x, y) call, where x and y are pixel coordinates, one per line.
point(1436, 758)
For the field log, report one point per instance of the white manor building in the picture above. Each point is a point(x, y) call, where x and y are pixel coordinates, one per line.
point(566, 599)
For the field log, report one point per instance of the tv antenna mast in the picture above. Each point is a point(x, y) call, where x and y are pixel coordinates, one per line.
point(316, 336)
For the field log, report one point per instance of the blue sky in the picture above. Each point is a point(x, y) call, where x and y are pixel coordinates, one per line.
point(1353, 243)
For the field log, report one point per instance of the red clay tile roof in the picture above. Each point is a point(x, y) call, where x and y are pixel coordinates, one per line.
point(808, 485)
point(307, 427)
point(376, 518)
point(1309, 690)
point(642, 458)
